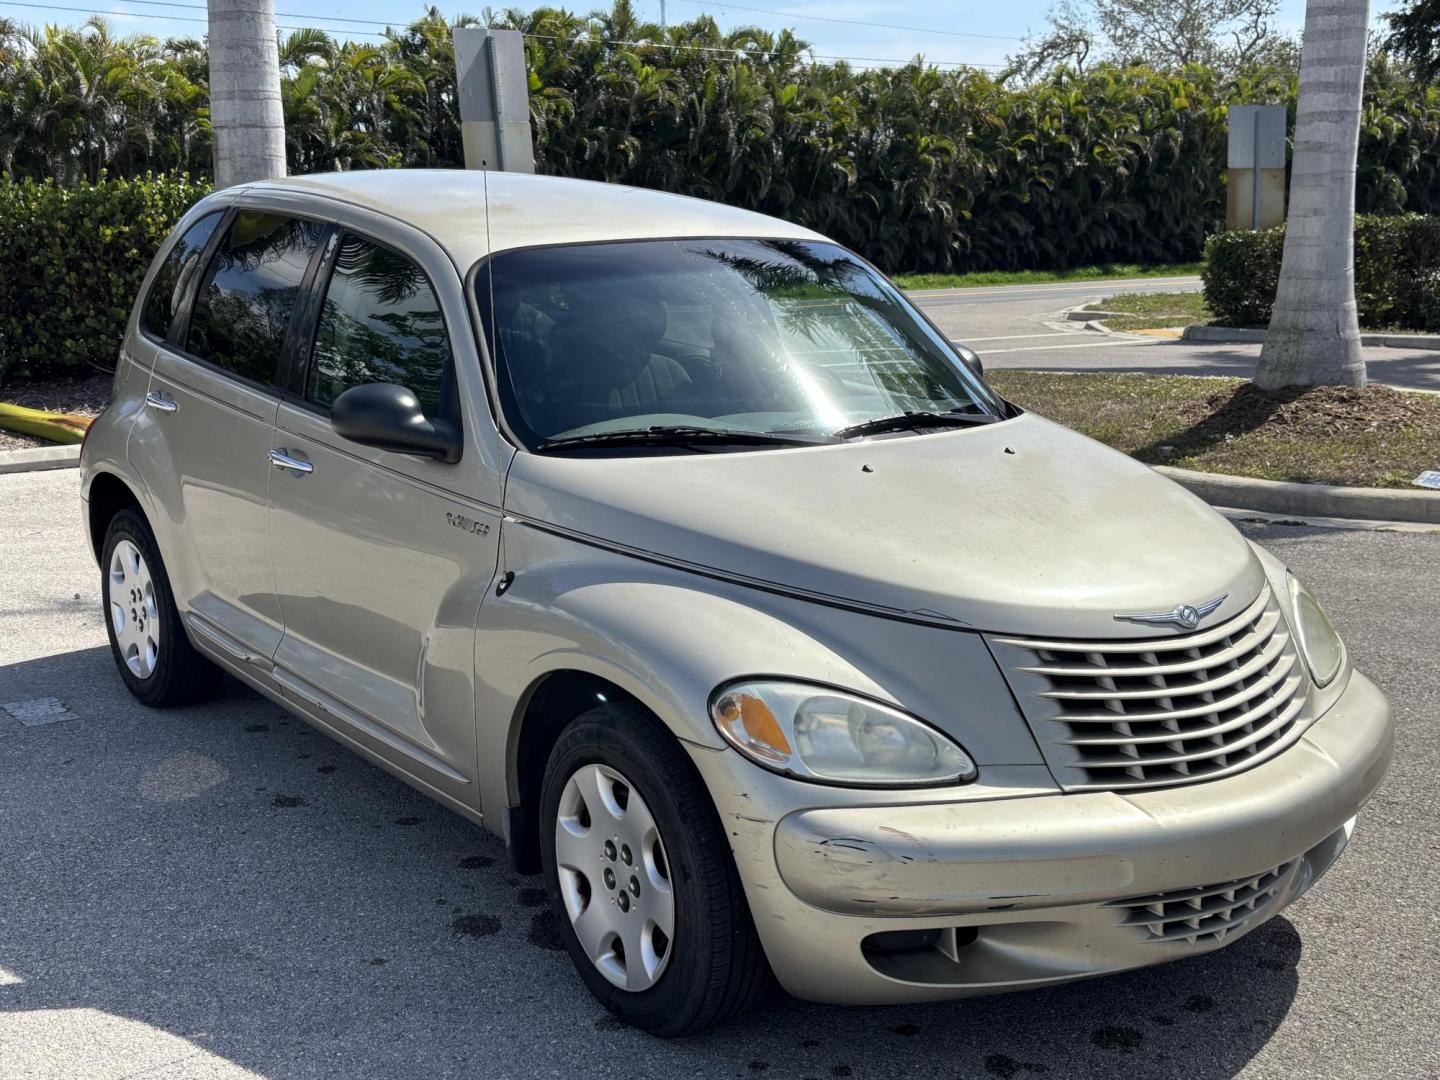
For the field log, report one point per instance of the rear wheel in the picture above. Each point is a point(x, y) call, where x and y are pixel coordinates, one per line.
point(153, 655)
point(641, 879)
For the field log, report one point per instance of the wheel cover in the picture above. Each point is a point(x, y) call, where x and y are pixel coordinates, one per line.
point(134, 612)
point(615, 877)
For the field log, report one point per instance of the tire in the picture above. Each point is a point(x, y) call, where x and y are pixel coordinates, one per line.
point(713, 967)
point(147, 639)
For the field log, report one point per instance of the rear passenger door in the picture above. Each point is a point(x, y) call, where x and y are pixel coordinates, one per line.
point(381, 559)
point(203, 440)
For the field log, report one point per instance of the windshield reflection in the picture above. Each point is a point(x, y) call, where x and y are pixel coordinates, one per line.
point(757, 336)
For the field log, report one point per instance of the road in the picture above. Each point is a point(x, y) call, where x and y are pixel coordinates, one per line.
point(1020, 326)
point(222, 892)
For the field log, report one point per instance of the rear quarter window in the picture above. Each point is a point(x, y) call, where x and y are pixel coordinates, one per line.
point(175, 275)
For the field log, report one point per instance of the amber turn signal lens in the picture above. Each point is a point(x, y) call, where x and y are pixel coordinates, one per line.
point(748, 719)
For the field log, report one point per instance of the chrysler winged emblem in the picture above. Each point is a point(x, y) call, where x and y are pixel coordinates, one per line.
point(1186, 615)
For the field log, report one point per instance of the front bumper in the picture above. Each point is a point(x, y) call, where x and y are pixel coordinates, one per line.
point(1037, 890)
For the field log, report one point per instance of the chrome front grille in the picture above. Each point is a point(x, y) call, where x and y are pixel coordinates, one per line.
point(1153, 712)
point(1206, 913)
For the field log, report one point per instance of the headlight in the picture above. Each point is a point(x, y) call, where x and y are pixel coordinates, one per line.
point(831, 737)
point(1319, 642)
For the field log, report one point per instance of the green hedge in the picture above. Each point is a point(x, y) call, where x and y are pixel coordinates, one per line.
point(1397, 273)
point(71, 262)
point(916, 168)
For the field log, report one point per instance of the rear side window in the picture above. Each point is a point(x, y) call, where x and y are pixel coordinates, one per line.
point(243, 311)
point(175, 275)
point(380, 323)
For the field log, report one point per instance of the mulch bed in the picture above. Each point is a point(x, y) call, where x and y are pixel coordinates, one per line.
point(1315, 410)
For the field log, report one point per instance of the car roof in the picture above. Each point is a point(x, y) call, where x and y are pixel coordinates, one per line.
point(528, 211)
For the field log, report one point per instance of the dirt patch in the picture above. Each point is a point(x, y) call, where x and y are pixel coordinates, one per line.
point(1334, 410)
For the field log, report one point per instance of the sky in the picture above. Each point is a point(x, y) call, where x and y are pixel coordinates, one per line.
point(870, 32)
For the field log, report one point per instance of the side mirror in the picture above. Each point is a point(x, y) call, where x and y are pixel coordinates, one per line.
point(971, 358)
point(389, 417)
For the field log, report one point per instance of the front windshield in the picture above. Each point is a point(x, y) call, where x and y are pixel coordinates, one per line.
point(781, 337)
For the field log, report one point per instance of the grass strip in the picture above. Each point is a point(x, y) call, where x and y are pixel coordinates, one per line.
point(1105, 272)
point(1371, 437)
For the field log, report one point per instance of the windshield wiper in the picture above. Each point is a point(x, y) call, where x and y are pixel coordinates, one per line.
point(684, 436)
point(910, 420)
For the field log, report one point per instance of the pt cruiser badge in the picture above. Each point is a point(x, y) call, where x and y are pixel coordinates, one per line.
point(470, 525)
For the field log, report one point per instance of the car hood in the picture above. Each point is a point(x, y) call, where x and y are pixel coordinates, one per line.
point(1022, 526)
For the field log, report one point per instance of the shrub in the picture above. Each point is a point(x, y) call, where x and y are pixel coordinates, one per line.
point(1430, 302)
point(1241, 272)
point(1397, 259)
point(73, 259)
point(1392, 255)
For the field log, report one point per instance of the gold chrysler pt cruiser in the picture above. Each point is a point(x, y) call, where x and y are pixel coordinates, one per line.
point(673, 544)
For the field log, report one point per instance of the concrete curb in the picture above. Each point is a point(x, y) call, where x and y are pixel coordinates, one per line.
point(1308, 500)
point(1234, 335)
point(39, 458)
point(1093, 320)
point(1081, 315)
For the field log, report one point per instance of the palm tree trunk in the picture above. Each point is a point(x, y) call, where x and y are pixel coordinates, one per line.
point(1314, 335)
point(245, 111)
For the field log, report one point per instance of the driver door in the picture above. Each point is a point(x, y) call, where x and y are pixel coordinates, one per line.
point(377, 584)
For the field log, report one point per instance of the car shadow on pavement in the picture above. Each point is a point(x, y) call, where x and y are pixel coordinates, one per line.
point(220, 890)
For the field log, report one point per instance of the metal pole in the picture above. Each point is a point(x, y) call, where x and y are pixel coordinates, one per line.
point(1254, 175)
point(498, 97)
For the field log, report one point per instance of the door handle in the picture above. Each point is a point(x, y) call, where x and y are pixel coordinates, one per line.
point(159, 402)
point(281, 460)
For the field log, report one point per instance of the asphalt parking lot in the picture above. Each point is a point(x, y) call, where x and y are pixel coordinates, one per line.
point(221, 892)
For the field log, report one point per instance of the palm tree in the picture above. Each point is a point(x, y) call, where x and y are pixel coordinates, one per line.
point(1314, 335)
point(245, 109)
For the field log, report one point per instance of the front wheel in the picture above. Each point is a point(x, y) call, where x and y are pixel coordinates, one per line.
point(641, 878)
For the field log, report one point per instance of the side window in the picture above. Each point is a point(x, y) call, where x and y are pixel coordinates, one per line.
point(380, 323)
point(174, 276)
point(243, 311)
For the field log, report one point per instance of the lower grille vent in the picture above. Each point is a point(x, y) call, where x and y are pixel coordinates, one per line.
point(1206, 913)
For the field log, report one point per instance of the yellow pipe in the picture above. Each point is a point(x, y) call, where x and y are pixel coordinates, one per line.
point(57, 427)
